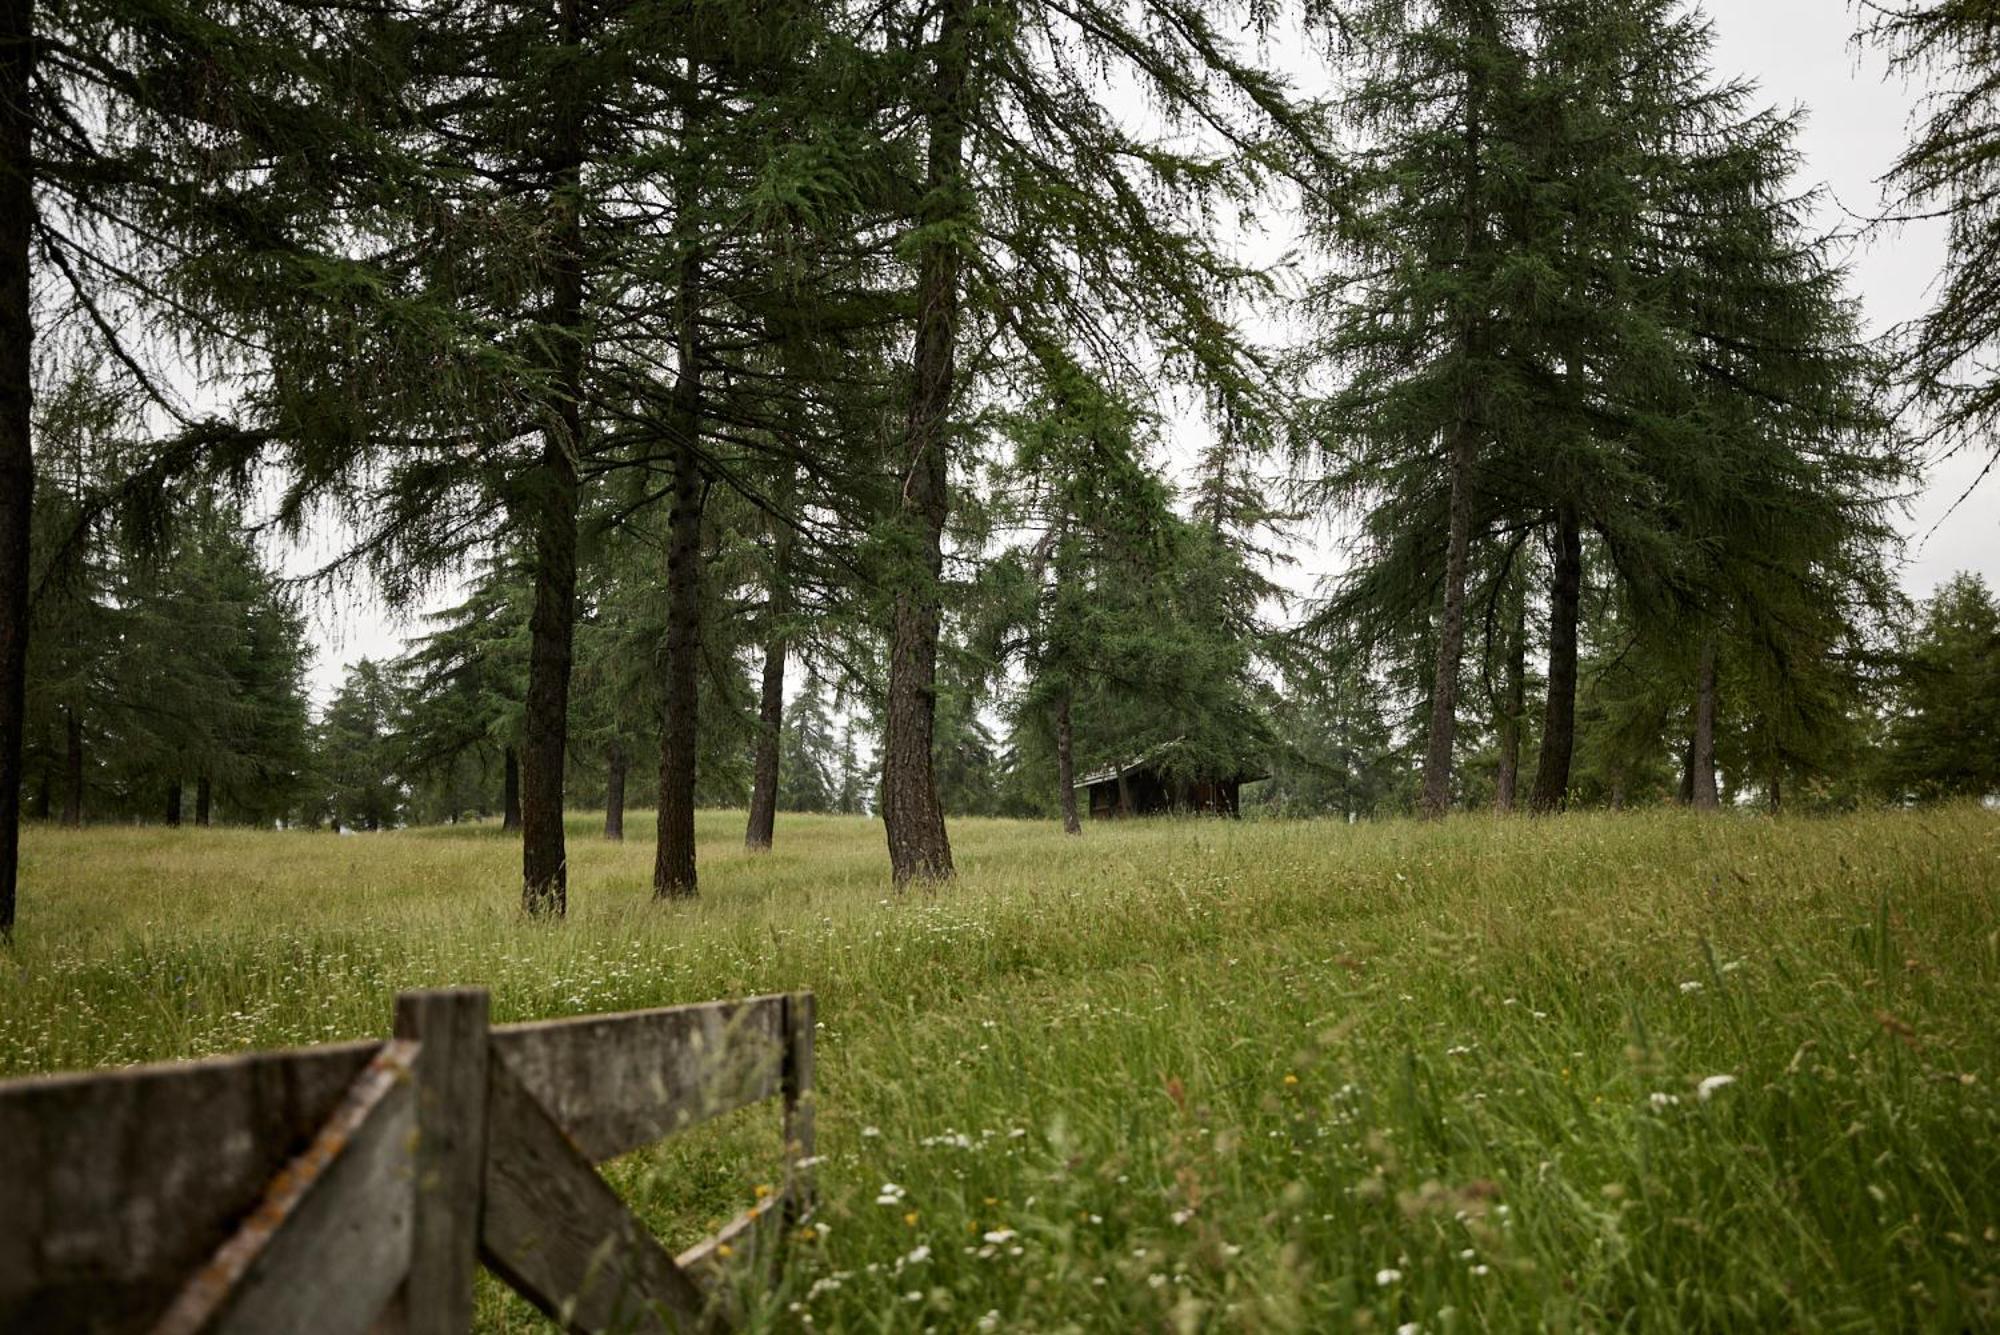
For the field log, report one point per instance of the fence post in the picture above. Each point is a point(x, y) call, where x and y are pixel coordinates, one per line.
point(798, 1091)
point(450, 1162)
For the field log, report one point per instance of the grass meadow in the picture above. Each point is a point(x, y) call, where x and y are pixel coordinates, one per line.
point(1646, 1071)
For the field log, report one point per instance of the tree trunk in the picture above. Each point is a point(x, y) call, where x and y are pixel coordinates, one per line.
point(1618, 790)
point(1705, 798)
point(1451, 633)
point(510, 790)
point(204, 800)
point(912, 816)
point(174, 803)
point(73, 768)
point(551, 504)
point(614, 792)
point(1687, 773)
point(1513, 706)
point(1777, 794)
point(1124, 793)
point(1559, 718)
point(674, 858)
point(1436, 795)
point(17, 459)
point(1066, 764)
point(771, 697)
point(770, 724)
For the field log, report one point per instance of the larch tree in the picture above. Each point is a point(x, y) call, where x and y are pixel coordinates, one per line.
point(1043, 217)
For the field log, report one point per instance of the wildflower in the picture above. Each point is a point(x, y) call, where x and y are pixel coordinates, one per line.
point(1713, 1083)
point(763, 1190)
point(1157, 1280)
point(1661, 1101)
point(911, 1218)
point(1691, 985)
point(1384, 1278)
point(1291, 1079)
point(1482, 1270)
point(1182, 1216)
point(1410, 1328)
point(913, 1296)
point(991, 1321)
point(870, 1132)
point(724, 1250)
point(999, 1235)
point(891, 1194)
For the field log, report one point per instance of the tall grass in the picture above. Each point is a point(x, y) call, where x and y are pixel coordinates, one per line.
point(1647, 1070)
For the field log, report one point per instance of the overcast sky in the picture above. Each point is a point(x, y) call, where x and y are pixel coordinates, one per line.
point(1801, 55)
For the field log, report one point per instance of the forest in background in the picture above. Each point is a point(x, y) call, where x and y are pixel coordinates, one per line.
point(700, 344)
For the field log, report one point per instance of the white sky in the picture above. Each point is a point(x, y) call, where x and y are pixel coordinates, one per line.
point(1801, 54)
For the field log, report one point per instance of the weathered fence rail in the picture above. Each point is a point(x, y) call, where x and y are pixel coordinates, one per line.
point(357, 1187)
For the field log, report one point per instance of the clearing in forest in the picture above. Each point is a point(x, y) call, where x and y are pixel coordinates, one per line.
point(1646, 1068)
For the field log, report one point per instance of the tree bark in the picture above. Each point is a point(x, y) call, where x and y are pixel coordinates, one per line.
point(614, 792)
point(1436, 794)
point(1703, 767)
point(1686, 797)
point(1436, 797)
point(1513, 707)
point(174, 803)
point(1066, 764)
point(770, 723)
point(1559, 717)
point(73, 768)
point(552, 504)
point(510, 790)
point(912, 816)
point(204, 800)
point(1777, 794)
point(17, 459)
point(674, 857)
point(763, 823)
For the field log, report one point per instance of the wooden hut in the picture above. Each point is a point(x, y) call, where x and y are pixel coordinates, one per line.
point(1140, 788)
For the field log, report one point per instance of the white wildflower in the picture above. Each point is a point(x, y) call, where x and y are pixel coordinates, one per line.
point(1384, 1278)
point(999, 1235)
point(1691, 985)
point(1713, 1083)
point(1661, 1101)
point(918, 1255)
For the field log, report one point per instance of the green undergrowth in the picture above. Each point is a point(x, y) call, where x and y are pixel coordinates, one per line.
point(1646, 1070)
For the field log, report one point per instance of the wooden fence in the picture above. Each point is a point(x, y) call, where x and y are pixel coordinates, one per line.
point(357, 1187)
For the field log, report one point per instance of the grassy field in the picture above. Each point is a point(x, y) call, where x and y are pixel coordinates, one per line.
point(1647, 1071)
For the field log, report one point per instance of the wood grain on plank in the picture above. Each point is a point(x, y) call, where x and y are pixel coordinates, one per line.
point(557, 1232)
point(329, 1244)
point(117, 1184)
point(450, 1027)
point(617, 1082)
